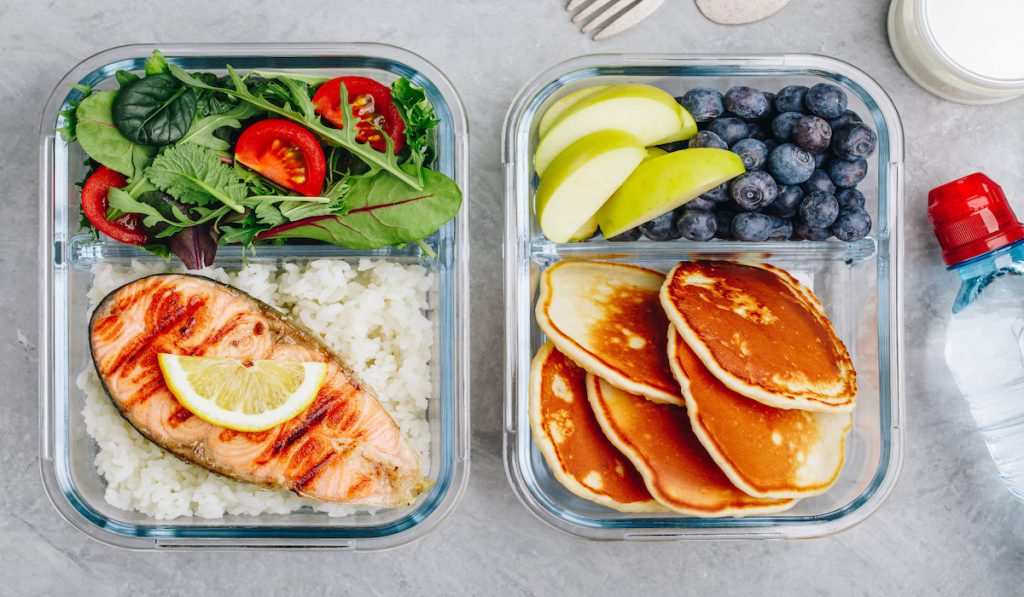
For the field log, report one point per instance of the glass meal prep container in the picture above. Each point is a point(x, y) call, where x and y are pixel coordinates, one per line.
point(859, 284)
point(66, 256)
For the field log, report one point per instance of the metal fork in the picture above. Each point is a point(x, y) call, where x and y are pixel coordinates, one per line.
point(609, 17)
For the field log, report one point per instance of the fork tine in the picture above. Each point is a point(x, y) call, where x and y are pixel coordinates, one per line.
point(574, 4)
point(609, 13)
point(590, 10)
point(629, 18)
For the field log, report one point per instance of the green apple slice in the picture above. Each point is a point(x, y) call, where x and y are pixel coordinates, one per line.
point(654, 152)
point(564, 103)
point(582, 178)
point(644, 111)
point(664, 183)
point(586, 230)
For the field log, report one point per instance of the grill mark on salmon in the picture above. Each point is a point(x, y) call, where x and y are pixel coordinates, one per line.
point(343, 448)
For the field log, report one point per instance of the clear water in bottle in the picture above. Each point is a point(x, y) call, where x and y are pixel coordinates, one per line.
point(983, 241)
point(985, 353)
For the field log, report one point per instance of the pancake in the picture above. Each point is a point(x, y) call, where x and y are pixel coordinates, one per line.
point(767, 452)
point(762, 333)
point(678, 471)
point(569, 437)
point(608, 319)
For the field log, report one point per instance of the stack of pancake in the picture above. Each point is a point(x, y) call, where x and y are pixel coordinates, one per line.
point(719, 390)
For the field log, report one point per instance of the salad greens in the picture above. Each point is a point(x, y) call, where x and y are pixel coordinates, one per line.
point(174, 134)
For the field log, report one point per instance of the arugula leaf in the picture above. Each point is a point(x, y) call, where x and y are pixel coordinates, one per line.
point(101, 140)
point(156, 64)
point(202, 130)
point(67, 132)
point(195, 175)
point(301, 110)
point(419, 118)
point(382, 211)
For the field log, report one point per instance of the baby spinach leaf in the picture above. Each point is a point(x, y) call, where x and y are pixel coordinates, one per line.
point(103, 142)
point(382, 211)
point(195, 175)
point(157, 110)
point(202, 130)
point(125, 78)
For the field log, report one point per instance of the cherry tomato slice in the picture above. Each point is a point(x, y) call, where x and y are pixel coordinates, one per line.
point(284, 152)
point(371, 104)
point(127, 228)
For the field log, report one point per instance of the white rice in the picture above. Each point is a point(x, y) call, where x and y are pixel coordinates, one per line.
point(372, 315)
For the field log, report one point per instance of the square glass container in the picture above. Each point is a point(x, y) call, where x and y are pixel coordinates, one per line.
point(859, 283)
point(66, 256)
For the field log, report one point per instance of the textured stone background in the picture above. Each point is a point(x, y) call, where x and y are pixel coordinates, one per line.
point(949, 527)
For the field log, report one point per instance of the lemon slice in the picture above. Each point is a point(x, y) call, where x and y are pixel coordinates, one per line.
point(228, 394)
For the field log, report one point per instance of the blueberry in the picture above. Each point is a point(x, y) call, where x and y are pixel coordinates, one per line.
point(752, 226)
point(819, 159)
point(812, 133)
point(791, 98)
point(770, 145)
point(846, 174)
point(697, 224)
point(768, 95)
point(700, 203)
point(753, 190)
point(852, 223)
point(673, 146)
point(760, 131)
point(708, 139)
point(704, 104)
point(719, 194)
point(787, 201)
point(855, 141)
point(746, 102)
point(661, 228)
point(825, 100)
point(845, 119)
point(724, 219)
point(806, 232)
point(627, 236)
point(729, 129)
point(819, 209)
point(782, 125)
point(782, 229)
point(790, 165)
point(752, 152)
point(819, 181)
point(850, 198)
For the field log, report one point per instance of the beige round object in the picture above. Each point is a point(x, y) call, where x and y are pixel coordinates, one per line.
point(739, 12)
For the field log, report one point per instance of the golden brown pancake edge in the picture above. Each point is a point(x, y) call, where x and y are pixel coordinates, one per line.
point(586, 359)
point(594, 388)
point(786, 400)
point(550, 453)
point(725, 463)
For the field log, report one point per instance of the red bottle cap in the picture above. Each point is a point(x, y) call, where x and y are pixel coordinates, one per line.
point(972, 217)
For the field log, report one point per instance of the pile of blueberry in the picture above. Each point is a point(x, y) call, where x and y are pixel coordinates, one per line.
point(804, 153)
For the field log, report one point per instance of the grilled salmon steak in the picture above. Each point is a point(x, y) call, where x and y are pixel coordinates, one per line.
point(343, 448)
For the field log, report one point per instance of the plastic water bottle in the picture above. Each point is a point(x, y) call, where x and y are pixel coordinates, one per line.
point(983, 242)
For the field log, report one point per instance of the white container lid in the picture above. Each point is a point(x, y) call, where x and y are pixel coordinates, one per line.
point(983, 39)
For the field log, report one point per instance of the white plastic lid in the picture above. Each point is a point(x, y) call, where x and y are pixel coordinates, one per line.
point(983, 38)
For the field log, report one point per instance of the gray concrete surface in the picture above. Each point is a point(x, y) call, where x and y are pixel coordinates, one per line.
point(949, 527)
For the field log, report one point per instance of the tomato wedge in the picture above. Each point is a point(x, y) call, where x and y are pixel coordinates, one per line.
point(127, 228)
point(284, 152)
point(371, 104)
